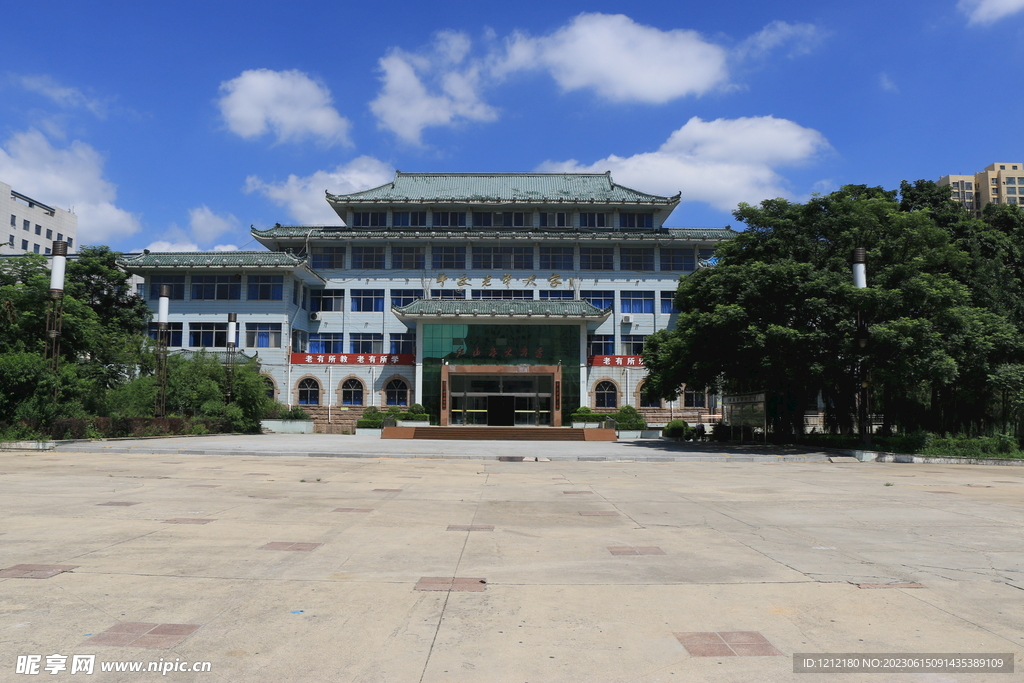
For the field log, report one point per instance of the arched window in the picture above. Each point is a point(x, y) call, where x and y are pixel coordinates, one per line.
point(648, 400)
point(271, 388)
point(309, 392)
point(352, 393)
point(606, 395)
point(397, 393)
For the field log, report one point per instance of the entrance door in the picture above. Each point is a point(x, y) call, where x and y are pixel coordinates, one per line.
point(501, 411)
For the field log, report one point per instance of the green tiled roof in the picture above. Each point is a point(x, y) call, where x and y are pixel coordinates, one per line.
point(501, 308)
point(211, 259)
point(501, 188)
point(295, 233)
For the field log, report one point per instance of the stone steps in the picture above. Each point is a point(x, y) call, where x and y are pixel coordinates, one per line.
point(500, 433)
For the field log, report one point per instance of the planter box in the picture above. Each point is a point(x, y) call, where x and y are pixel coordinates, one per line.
point(412, 423)
point(650, 434)
point(586, 425)
point(288, 426)
point(366, 431)
point(630, 434)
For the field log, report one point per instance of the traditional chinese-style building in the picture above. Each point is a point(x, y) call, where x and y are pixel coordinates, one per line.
point(491, 299)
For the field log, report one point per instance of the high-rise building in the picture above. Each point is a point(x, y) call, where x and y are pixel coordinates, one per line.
point(999, 183)
point(33, 226)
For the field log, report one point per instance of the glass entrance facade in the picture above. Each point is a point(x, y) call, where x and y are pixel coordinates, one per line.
point(501, 400)
point(528, 394)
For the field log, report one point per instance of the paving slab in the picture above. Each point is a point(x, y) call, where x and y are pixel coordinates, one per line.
point(764, 558)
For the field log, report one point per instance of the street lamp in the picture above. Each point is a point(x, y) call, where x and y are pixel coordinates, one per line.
point(232, 331)
point(162, 342)
point(861, 338)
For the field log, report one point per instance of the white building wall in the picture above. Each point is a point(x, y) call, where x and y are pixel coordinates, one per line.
point(29, 227)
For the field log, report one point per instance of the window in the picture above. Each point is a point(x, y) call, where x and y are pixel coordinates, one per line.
point(517, 219)
point(327, 300)
point(309, 392)
point(26, 225)
point(404, 297)
point(606, 395)
point(176, 282)
point(396, 393)
point(216, 287)
point(556, 220)
point(482, 219)
point(328, 257)
point(11, 240)
point(266, 287)
point(14, 221)
point(449, 257)
point(503, 258)
point(637, 302)
point(366, 342)
point(633, 344)
point(1011, 190)
point(693, 399)
point(369, 219)
point(597, 258)
point(39, 229)
point(594, 220)
point(968, 186)
point(352, 393)
point(367, 257)
point(522, 294)
point(636, 220)
point(403, 342)
point(47, 249)
point(447, 294)
point(299, 341)
point(599, 298)
point(60, 237)
point(668, 302)
point(648, 400)
point(600, 344)
point(636, 259)
point(271, 388)
point(49, 234)
point(305, 298)
point(452, 219)
point(678, 260)
point(556, 258)
point(1011, 181)
point(404, 219)
point(367, 300)
point(71, 243)
point(208, 335)
point(263, 335)
point(35, 248)
point(551, 295)
point(327, 342)
point(1009, 200)
point(407, 258)
point(24, 246)
point(173, 333)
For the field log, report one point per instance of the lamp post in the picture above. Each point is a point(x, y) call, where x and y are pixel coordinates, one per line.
point(162, 341)
point(232, 331)
point(55, 310)
point(861, 338)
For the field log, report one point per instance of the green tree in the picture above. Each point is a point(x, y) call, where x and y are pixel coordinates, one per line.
point(777, 313)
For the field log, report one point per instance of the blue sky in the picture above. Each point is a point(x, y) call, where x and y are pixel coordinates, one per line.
point(176, 126)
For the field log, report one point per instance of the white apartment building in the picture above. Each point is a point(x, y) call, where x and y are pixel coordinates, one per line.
point(33, 226)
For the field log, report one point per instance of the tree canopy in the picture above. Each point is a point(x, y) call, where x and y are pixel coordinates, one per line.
point(778, 312)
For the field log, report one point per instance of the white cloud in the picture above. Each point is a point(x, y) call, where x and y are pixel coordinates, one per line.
point(405, 105)
point(802, 38)
point(206, 226)
point(164, 245)
point(620, 59)
point(989, 11)
point(225, 247)
point(304, 197)
point(71, 177)
point(65, 96)
point(289, 103)
point(721, 162)
point(887, 84)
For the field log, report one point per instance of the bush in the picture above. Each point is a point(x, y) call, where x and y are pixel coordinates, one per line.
point(394, 410)
point(369, 423)
point(295, 413)
point(677, 429)
point(629, 419)
point(372, 410)
point(583, 414)
point(417, 409)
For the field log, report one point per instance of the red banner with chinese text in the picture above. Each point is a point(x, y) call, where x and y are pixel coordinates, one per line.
point(616, 361)
point(353, 359)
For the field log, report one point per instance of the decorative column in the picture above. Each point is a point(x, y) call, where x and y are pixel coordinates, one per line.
point(162, 342)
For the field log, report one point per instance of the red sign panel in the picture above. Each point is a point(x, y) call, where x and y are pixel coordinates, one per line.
point(353, 359)
point(616, 361)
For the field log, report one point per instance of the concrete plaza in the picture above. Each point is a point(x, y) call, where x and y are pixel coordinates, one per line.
point(410, 562)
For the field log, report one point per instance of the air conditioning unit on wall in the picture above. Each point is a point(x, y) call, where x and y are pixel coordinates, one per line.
point(627, 319)
point(314, 316)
